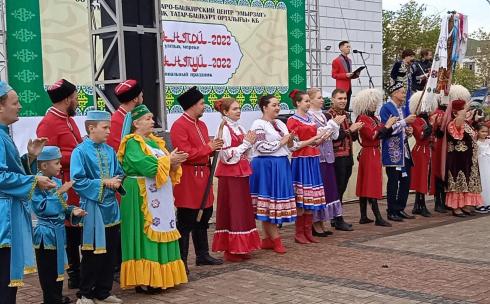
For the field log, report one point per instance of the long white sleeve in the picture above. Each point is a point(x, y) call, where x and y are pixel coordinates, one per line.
point(232, 155)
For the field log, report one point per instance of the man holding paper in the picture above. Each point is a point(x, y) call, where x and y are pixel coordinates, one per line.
point(342, 71)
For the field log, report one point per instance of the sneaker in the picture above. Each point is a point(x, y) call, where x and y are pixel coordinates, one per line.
point(481, 209)
point(488, 208)
point(109, 300)
point(85, 300)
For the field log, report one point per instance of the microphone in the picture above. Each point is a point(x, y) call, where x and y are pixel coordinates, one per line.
point(360, 52)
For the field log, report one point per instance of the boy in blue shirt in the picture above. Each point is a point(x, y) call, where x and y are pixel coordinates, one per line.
point(49, 238)
point(97, 176)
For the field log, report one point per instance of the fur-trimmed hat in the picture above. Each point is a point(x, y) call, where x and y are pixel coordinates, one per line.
point(190, 98)
point(60, 90)
point(366, 99)
point(127, 90)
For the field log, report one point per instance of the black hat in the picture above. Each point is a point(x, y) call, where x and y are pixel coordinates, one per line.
point(60, 90)
point(127, 90)
point(394, 87)
point(190, 98)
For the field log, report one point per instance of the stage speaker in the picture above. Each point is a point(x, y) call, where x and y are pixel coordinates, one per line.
point(141, 53)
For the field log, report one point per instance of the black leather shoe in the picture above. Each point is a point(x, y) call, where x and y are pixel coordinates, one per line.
point(365, 220)
point(65, 300)
point(207, 260)
point(425, 212)
point(440, 209)
point(394, 218)
point(458, 214)
point(383, 223)
point(321, 234)
point(405, 215)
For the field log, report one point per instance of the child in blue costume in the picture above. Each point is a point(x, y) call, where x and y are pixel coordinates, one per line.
point(97, 176)
point(49, 238)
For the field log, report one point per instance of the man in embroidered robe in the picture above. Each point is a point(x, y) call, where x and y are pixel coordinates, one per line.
point(130, 95)
point(190, 135)
point(396, 154)
point(17, 182)
point(97, 176)
point(59, 127)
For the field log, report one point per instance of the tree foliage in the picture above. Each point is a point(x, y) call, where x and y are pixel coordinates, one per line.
point(466, 78)
point(482, 60)
point(410, 27)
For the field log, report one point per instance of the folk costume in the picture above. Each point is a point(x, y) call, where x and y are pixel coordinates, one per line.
point(437, 187)
point(422, 154)
point(236, 233)
point(344, 161)
point(16, 184)
point(90, 164)
point(333, 207)
point(62, 131)
point(396, 157)
point(190, 135)
point(125, 92)
point(484, 166)
point(49, 238)
point(150, 247)
point(462, 174)
point(369, 175)
point(271, 182)
point(307, 178)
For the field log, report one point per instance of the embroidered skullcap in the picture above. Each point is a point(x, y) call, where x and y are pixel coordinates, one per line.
point(395, 87)
point(139, 111)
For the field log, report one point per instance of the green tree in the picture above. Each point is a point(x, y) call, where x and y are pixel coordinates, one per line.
point(482, 58)
point(410, 27)
point(466, 78)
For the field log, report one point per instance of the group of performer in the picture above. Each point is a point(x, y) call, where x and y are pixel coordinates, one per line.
point(111, 196)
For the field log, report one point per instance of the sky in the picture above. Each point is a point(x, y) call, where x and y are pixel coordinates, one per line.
point(478, 11)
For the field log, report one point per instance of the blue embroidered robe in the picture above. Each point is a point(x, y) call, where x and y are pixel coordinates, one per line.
point(90, 164)
point(394, 148)
point(15, 220)
point(51, 211)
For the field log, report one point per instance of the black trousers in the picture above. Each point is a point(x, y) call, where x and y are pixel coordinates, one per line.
point(97, 270)
point(349, 95)
point(7, 294)
point(47, 271)
point(343, 171)
point(187, 224)
point(73, 243)
point(397, 189)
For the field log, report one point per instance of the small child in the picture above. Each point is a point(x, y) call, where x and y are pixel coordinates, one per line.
point(484, 164)
point(97, 176)
point(49, 239)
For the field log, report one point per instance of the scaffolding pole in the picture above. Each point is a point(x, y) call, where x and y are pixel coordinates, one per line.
point(313, 48)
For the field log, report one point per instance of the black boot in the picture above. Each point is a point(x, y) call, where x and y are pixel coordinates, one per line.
point(377, 214)
point(340, 224)
point(363, 207)
point(184, 248)
point(201, 246)
point(423, 208)
point(440, 197)
point(416, 205)
point(73, 278)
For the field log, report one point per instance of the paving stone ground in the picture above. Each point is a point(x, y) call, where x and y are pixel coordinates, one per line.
point(442, 259)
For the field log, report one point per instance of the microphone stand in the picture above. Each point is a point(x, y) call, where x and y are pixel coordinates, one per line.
point(371, 84)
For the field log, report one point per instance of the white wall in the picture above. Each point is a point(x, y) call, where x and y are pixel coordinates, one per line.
point(360, 22)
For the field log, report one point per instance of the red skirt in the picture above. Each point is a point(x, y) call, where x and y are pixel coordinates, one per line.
point(235, 220)
point(419, 180)
point(370, 174)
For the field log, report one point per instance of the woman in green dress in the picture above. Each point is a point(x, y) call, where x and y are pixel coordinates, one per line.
point(150, 247)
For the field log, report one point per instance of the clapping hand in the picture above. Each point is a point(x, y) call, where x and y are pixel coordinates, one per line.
point(391, 121)
point(339, 119)
point(112, 183)
point(177, 157)
point(251, 137)
point(215, 144)
point(66, 186)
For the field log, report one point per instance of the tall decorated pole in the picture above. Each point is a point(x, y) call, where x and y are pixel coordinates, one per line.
point(450, 50)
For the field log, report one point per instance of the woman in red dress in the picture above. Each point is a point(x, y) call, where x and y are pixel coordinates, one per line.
point(421, 155)
point(236, 233)
point(370, 176)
